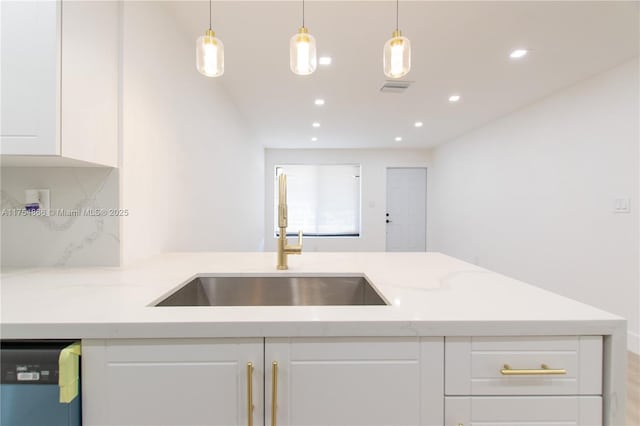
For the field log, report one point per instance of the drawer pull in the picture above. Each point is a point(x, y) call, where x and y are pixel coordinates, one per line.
point(543, 371)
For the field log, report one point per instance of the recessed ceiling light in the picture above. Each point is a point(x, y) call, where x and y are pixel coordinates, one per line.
point(324, 60)
point(314, 139)
point(316, 124)
point(454, 98)
point(319, 102)
point(398, 139)
point(418, 124)
point(518, 53)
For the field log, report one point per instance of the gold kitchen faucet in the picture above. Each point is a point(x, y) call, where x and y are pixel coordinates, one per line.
point(284, 249)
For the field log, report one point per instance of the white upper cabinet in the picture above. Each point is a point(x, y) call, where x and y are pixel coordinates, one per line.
point(60, 80)
point(30, 34)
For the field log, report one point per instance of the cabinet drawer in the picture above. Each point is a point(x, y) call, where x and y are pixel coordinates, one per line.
point(477, 365)
point(529, 410)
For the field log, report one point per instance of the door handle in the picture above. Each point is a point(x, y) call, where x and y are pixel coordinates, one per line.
point(274, 393)
point(250, 394)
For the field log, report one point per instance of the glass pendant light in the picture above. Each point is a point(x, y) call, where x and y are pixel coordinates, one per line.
point(210, 53)
point(397, 53)
point(302, 50)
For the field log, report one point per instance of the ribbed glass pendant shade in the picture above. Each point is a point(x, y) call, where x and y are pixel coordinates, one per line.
point(397, 56)
point(302, 52)
point(210, 55)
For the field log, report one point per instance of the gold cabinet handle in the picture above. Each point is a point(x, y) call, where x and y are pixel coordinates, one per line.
point(250, 394)
point(274, 392)
point(542, 371)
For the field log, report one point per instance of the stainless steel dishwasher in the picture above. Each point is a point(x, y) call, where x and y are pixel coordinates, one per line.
point(29, 390)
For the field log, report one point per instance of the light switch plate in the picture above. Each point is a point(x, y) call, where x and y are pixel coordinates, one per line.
point(622, 205)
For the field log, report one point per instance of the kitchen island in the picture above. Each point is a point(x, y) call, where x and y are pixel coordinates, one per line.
point(454, 343)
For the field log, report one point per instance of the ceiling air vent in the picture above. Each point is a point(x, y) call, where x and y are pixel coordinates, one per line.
point(395, 86)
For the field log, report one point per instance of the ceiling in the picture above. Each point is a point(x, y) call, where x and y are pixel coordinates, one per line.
point(457, 47)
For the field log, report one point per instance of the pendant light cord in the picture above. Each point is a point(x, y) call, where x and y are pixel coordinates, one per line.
point(397, 9)
point(209, 14)
point(303, 13)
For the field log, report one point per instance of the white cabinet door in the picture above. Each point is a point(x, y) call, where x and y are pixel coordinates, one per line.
point(525, 410)
point(90, 81)
point(176, 382)
point(59, 68)
point(30, 40)
point(354, 381)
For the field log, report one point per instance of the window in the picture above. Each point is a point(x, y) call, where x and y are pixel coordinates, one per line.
point(323, 200)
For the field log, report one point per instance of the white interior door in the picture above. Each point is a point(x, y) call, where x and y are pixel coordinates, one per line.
point(406, 215)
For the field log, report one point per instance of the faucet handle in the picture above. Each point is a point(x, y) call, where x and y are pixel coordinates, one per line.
point(297, 249)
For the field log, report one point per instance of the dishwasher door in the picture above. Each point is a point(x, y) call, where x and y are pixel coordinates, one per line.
point(29, 392)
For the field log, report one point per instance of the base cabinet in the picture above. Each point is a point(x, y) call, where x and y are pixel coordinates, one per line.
point(317, 381)
point(525, 410)
point(344, 381)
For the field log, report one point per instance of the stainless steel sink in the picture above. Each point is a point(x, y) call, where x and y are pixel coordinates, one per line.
point(274, 291)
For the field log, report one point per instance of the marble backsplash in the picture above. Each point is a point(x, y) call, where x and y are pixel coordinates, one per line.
point(83, 228)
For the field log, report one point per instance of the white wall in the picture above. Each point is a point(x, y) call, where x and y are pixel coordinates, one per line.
point(63, 238)
point(531, 195)
point(191, 175)
point(374, 164)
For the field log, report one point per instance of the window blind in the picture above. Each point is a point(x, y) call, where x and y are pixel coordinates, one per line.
point(323, 200)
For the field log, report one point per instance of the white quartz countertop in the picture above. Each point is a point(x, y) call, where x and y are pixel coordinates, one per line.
point(430, 294)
